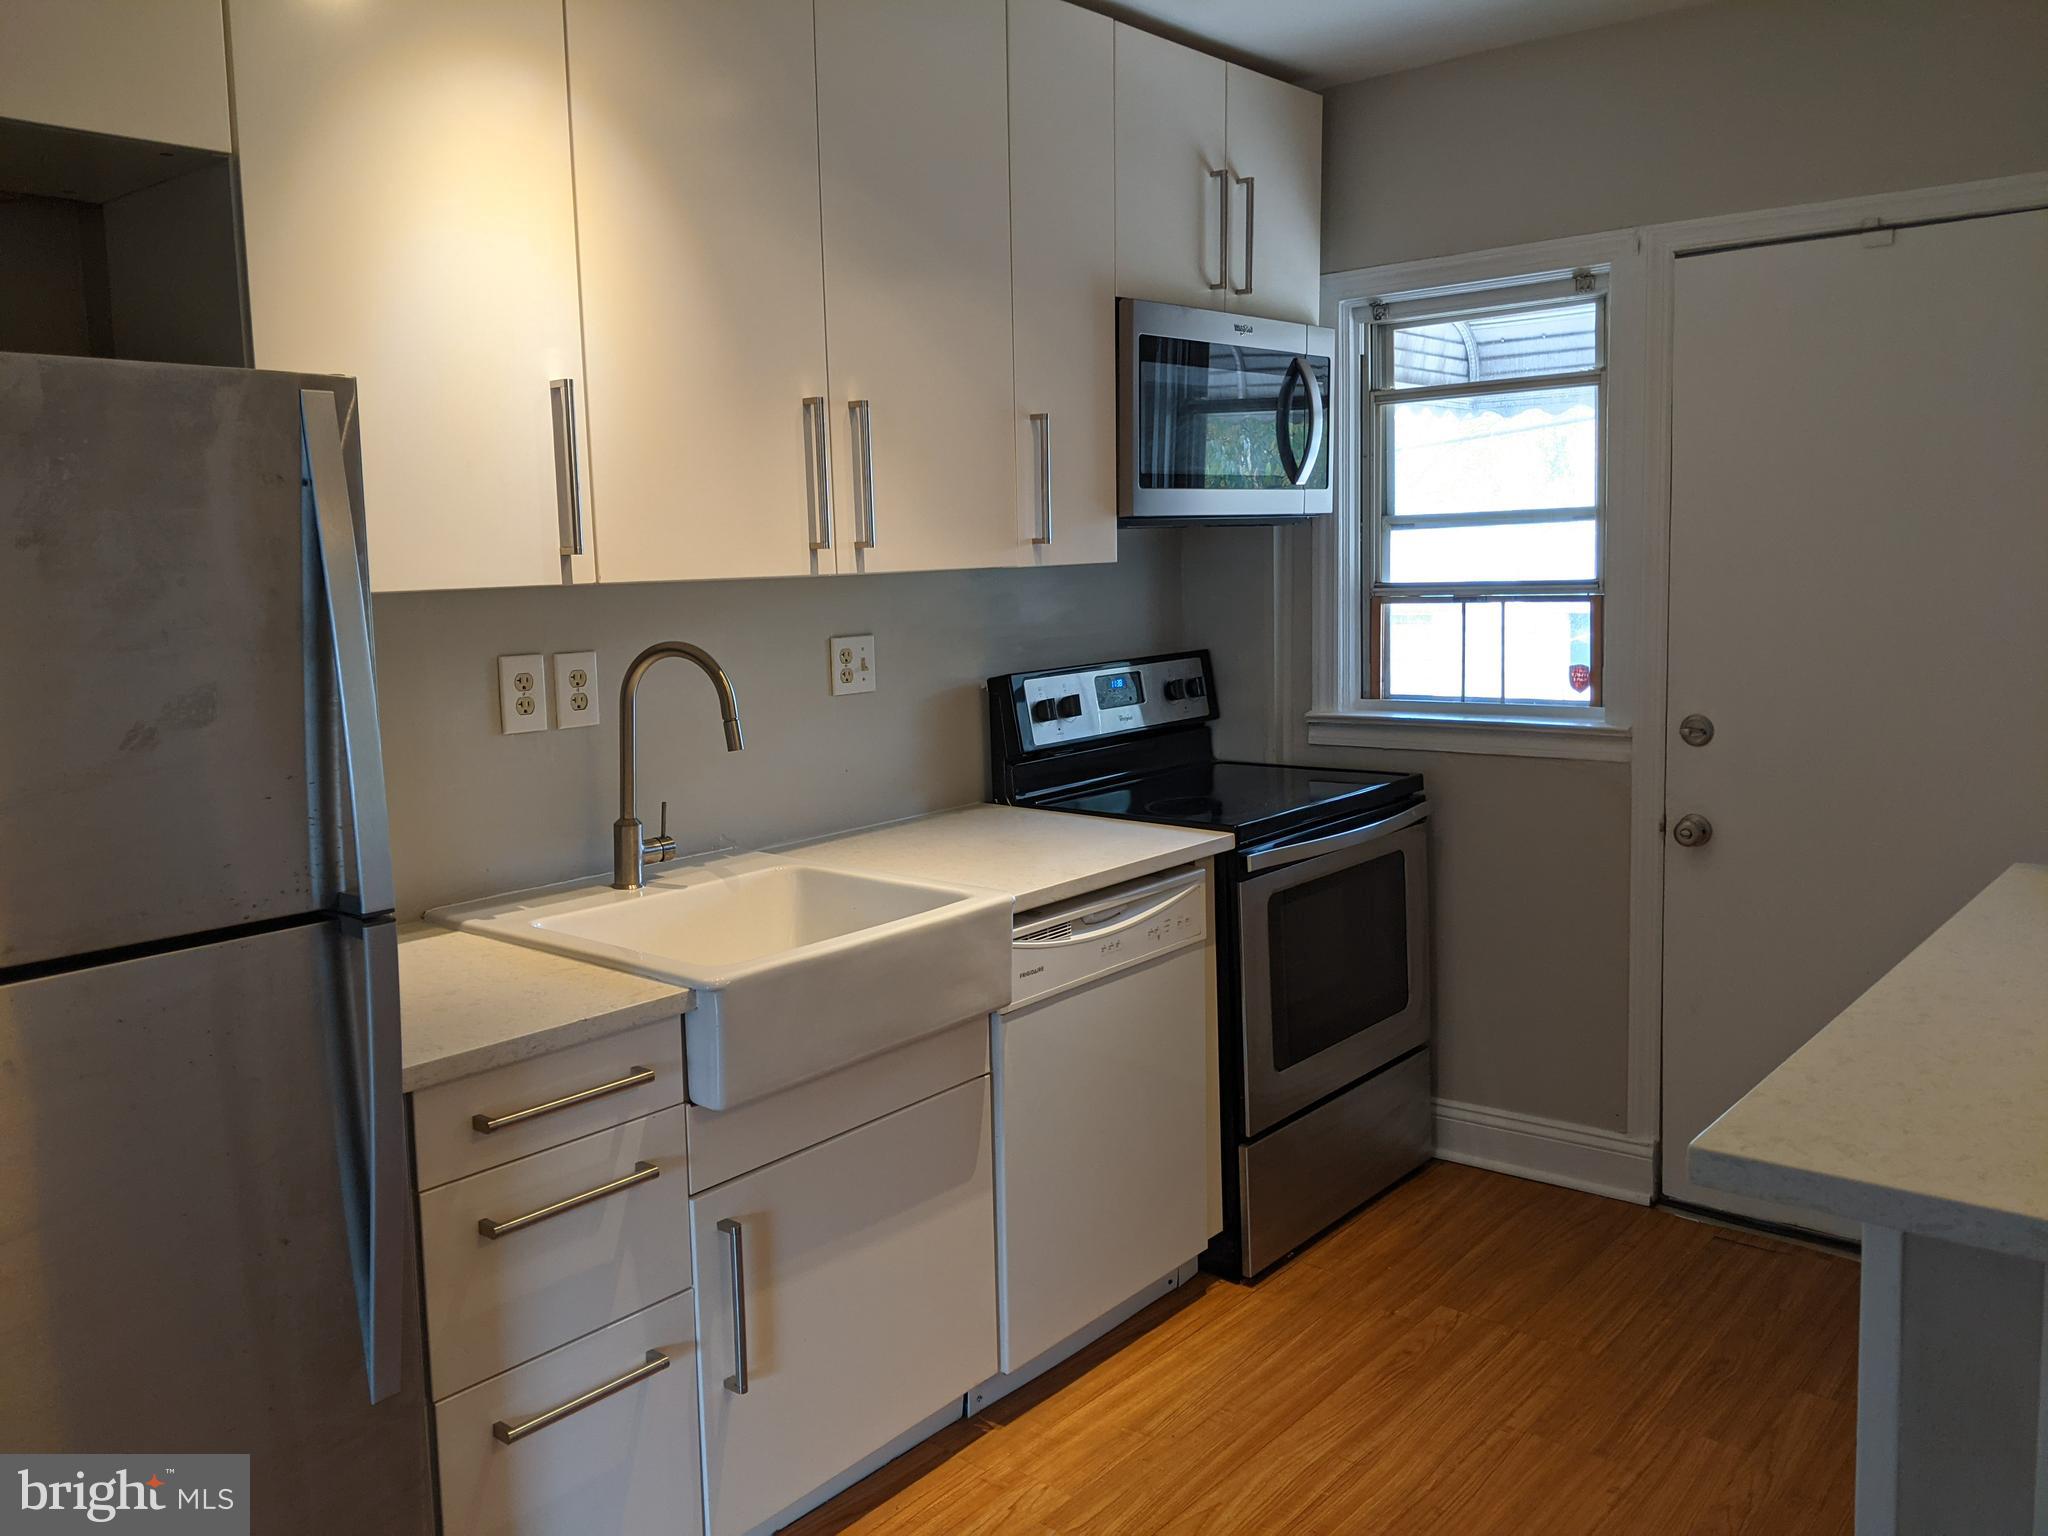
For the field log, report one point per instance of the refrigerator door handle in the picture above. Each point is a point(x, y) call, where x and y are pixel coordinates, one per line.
point(375, 1176)
point(326, 481)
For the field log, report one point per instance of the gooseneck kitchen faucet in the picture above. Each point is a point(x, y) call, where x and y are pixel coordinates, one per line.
point(631, 852)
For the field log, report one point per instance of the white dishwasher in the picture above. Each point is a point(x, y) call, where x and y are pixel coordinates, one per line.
point(1104, 1090)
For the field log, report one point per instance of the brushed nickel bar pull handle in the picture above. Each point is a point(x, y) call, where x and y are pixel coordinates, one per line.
point(1222, 179)
point(818, 449)
point(641, 1174)
point(736, 1263)
point(568, 474)
point(1246, 182)
point(863, 414)
point(1041, 423)
point(633, 1079)
point(512, 1434)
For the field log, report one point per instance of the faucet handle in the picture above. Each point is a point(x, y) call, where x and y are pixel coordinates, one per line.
point(660, 848)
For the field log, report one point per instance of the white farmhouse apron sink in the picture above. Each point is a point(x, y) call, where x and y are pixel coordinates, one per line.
point(798, 970)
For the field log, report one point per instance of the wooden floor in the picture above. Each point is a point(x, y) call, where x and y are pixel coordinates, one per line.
point(1472, 1354)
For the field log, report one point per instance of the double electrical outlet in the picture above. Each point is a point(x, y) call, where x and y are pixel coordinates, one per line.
point(525, 682)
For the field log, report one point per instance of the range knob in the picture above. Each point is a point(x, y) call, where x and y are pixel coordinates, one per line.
point(1042, 710)
point(1197, 688)
point(1070, 706)
point(1176, 689)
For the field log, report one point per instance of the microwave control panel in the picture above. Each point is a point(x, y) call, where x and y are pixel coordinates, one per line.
point(1074, 708)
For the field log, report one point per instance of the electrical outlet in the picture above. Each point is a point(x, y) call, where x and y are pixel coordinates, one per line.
point(522, 695)
point(573, 676)
point(853, 664)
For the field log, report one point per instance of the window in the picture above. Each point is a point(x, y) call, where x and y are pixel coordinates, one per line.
point(1483, 446)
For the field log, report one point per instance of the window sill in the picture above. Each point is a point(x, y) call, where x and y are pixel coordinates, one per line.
point(1421, 730)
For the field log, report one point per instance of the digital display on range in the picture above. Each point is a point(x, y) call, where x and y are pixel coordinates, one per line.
point(1118, 690)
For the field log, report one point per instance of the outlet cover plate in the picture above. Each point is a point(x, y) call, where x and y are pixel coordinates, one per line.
point(522, 695)
point(573, 678)
point(853, 664)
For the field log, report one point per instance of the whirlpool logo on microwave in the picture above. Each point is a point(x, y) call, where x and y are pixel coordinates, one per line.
point(174, 1495)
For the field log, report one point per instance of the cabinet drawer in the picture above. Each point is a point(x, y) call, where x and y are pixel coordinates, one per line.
point(625, 1464)
point(545, 1101)
point(495, 1301)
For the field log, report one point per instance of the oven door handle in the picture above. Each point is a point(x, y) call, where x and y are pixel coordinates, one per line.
point(1371, 832)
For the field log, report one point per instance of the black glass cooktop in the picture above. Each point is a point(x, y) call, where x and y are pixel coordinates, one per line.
point(1253, 800)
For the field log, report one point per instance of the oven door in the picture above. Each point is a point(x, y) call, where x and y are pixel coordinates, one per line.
point(1224, 418)
point(1334, 961)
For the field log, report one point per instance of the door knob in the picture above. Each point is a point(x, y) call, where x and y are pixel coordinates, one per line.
point(1692, 831)
point(1695, 730)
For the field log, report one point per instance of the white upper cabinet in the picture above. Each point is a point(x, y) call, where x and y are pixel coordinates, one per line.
point(1276, 226)
point(1063, 279)
point(141, 69)
point(1171, 172)
point(914, 142)
point(696, 133)
point(1219, 183)
point(410, 220)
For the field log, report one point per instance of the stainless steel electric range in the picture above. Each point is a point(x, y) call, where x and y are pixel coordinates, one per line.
point(1323, 924)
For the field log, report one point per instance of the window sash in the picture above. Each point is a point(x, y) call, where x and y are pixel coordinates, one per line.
point(1376, 653)
point(1538, 294)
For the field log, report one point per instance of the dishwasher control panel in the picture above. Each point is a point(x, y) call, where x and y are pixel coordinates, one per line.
point(1058, 948)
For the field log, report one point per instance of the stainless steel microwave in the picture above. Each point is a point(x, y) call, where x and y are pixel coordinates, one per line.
point(1221, 418)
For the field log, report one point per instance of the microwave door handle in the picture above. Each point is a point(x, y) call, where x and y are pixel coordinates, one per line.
point(1299, 471)
point(362, 740)
point(1317, 420)
point(1371, 832)
point(1283, 423)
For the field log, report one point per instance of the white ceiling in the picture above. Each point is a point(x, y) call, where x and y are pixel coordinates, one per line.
point(1328, 42)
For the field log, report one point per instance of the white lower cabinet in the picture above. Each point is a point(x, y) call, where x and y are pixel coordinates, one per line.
point(539, 1452)
point(867, 1268)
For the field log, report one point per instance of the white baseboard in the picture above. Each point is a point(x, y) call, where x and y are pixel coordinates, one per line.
point(1553, 1151)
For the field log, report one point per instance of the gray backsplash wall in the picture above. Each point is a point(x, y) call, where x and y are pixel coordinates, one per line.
point(474, 812)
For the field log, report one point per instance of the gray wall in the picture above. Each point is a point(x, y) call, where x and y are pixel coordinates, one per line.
point(1740, 105)
point(1722, 108)
point(474, 812)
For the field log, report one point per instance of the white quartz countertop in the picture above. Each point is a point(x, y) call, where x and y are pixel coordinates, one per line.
point(467, 1004)
point(1036, 857)
point(1924, 1106)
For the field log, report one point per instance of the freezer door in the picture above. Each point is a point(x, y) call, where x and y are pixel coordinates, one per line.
point(180, 1154)
point(173, 762)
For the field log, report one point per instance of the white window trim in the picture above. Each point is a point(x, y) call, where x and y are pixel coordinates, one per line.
point(1341, 715)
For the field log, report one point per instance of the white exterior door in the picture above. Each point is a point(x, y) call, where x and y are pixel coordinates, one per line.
point(1859, 543)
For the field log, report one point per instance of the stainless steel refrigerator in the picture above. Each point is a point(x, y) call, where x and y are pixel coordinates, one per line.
point(207, 1238)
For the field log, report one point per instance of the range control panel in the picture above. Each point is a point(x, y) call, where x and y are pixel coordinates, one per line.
point(1112, 699)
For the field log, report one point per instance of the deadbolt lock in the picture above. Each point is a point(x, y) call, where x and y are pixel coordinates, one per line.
point(1695, 730)
point(1692, 831)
